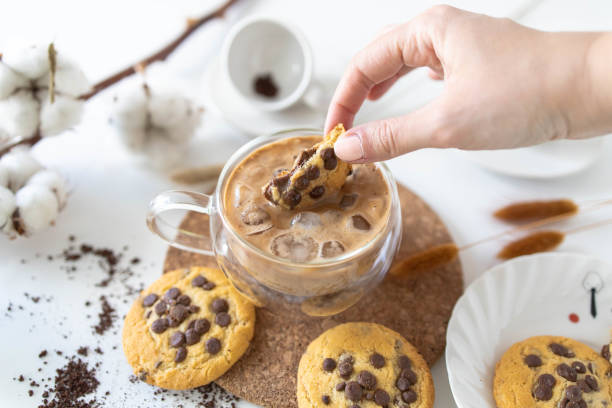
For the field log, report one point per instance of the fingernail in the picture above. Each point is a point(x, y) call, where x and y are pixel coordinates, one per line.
point(349, 148)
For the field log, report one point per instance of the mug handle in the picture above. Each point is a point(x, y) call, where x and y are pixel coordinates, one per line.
point(170, 231)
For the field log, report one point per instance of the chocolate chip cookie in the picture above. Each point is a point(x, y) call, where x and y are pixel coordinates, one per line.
point(363, 365)
point(549, 371)
point(187, 329)
point(316, 173)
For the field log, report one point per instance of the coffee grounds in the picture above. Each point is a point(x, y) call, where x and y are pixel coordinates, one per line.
point(106, 317)
point(265, 86)
point(73, 382)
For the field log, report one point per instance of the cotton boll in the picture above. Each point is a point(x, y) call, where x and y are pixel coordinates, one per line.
point(176, 114)
point(130, 117)
point(7, 207)
point(20, 166)
point(32, 62)
point(19, 114)
point(37, 209)
point(10, 81)
point(69, 79)
point(4, 176)
point(53, 181)
point(64, 113)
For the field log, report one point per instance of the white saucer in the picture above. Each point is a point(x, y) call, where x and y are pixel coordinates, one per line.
point(222, 97)
point(528, 296)
point(549, 160)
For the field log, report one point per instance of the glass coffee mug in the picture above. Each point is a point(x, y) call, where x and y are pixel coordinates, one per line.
point(317, 288)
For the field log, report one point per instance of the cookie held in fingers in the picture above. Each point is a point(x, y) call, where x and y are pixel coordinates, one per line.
point(549, 371)
point(187, 329)
point(365, 365)
point(316, 173)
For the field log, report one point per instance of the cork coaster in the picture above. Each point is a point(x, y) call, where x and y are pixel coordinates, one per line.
point(418, 307)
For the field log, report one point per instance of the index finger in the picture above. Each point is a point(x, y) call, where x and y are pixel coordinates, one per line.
point(405, 47)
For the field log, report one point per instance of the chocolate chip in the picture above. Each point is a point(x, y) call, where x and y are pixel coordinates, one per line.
point(404, 362)
point(566, 372)
point(340, 386)
point(345, 368)
point(348, 200)
point(576, 404)
point(381, 398)
point(292, 198)
point(327, 153)
point(198, 281)
point(172, 293)
point(313, 172)
point(179, 313)
point(354, 406)
point(223, 319)
point(579, 367)
point(532, 361)
point(305, 155)
point(330, 164)
point(402, 384)
point(326, 400)
point(560, 350)
point(281, 182)
point(177, 339)
point(194, 308)
point(409, 375)
point(360, 223)
point(159, 326)
point(409, 396)
point(208, 286)
point(542, 393)
point(213, 345)
point(546, 380)
point(584, 386)
point(329, 364)
point(592, 382)
point(366, 379)
point(573, 393)
point(590, 366)
point(369, 395)
point(183, 300)
point(329, 158)
point(302, 182)
point(317, 192)
point(219, 305)
point(353, 391)
point(201, 326)
point(161, 307)
point(605, 351)
point(191, 337)
point(149, 299)
point(181, 354)
point(377, 360)
point(173, 322)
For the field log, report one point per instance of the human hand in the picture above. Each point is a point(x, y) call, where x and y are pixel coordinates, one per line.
point(505, 86)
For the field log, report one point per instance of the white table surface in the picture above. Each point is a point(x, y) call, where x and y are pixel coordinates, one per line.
point(111, 191)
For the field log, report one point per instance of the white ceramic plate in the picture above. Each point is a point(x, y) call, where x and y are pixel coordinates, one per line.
point(528, 296)
point(549, 160)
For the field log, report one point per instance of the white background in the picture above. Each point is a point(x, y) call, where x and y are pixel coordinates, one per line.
point(111, 190)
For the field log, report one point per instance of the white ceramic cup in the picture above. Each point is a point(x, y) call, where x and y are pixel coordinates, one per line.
point(262, 45)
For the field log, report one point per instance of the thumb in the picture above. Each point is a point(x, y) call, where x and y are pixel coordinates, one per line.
point(384, 139)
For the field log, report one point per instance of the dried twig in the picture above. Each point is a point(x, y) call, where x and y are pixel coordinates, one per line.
point(161, 55)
